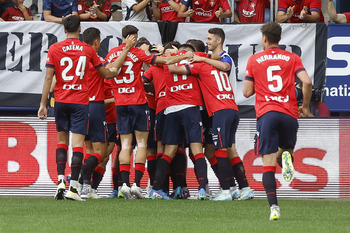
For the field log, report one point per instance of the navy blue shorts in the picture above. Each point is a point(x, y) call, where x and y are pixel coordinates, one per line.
point(225, 123)
point(151, 143)
point(71, 117)
point(97, 122)
point(113, 134)
point(133, 117)
point(207, 127)
point(275, 129)
point(159, 126)
point(186, 123)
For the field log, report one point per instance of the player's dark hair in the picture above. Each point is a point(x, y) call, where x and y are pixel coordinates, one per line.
point(90, 35)
point(169, 45)
point(218, 32)
point(141, 41)
point(198, 45)
point(272, 31)
point(71, 23)
point(129, 30)
point(187, 47)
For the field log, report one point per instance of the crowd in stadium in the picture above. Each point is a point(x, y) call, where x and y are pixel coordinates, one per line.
point(224, 11)
point(163, 99)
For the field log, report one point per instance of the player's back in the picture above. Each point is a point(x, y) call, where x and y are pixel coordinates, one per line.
point(273, 71)
point(182, 89)
point(70, 59)
point(127, 86)
point(215, 85)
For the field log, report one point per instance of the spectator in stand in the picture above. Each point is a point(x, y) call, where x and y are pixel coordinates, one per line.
point(337, 17)
point(305, 11)
point(56, 10)
point(206, 11)
point(17, 13)
point(168, 10)
point(99, 10)
point(4, 4)
point(135, 10)
point(252, 11)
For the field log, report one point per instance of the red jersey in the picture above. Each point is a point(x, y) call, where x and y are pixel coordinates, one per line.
point(182, 89)
point(215, 85)
point(111, 113)
point(167, 12)
point(347, 15)
point(157, 74)
point(312, 5)
point(127, 86)
point(106, 9)
point(14, 14)
point(96, 83)
point(149, 90)
point(253, 11)
point(70, 59)
point(204, 10)
point(273, 72)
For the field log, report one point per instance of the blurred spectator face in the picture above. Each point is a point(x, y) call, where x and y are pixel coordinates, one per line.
point(17, 2)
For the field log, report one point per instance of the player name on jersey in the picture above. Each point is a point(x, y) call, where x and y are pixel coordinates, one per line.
point(131, 55)
point(272, 57)
point(72, 47)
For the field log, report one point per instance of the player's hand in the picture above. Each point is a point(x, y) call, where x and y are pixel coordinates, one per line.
point(130, 41)
point(158, 48)
point(304, 112)
point(197, 58)
point(189, 54)
point(290, 11)
point(219, 12)
point(172, 50)
point(304, 12)
point(42, 112)
point(189, 13)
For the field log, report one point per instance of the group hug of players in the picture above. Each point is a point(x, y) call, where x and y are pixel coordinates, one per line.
point(172, 111)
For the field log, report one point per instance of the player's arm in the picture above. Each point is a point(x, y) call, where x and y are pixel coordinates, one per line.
point(283, 16)
point(224, 66)
point(130, 41)
point(48, 17)
point(184, 11)
point(140, 6)
point(109, 101)
point(310, 18)
point(172, 59)
point(178, 69)
point(42, 112)
point(332, 12)
point(248, 88)
point(304, 110)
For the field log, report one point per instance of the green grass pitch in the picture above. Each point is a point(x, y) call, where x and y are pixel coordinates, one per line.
point(43, 214)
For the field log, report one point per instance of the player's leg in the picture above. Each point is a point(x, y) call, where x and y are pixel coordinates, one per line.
point(61, 161)
point(151, 150)
point(124, 163)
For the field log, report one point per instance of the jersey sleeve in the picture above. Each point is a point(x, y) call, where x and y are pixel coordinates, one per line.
point(75, 6)
point(107, 8)
point(225, 5)
point(249, 71)
point(47, 5)
point(298, 65)
point(49, 60)
point(201, 54)
point(282, 5)
point(315, 5)
point(148, 75)
point(193, 68)
point(187, 3)
point(95, 60)
point(146, 57)
point(5, 15)
point(347, 15)
point(226, 59)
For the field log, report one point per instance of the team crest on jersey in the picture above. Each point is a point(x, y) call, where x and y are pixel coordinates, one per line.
point(147, 53)
point(212, 3)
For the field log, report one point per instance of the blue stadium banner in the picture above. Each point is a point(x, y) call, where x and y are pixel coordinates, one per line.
point(337, 91)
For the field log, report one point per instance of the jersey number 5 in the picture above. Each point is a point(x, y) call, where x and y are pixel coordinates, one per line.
point(271, 78)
